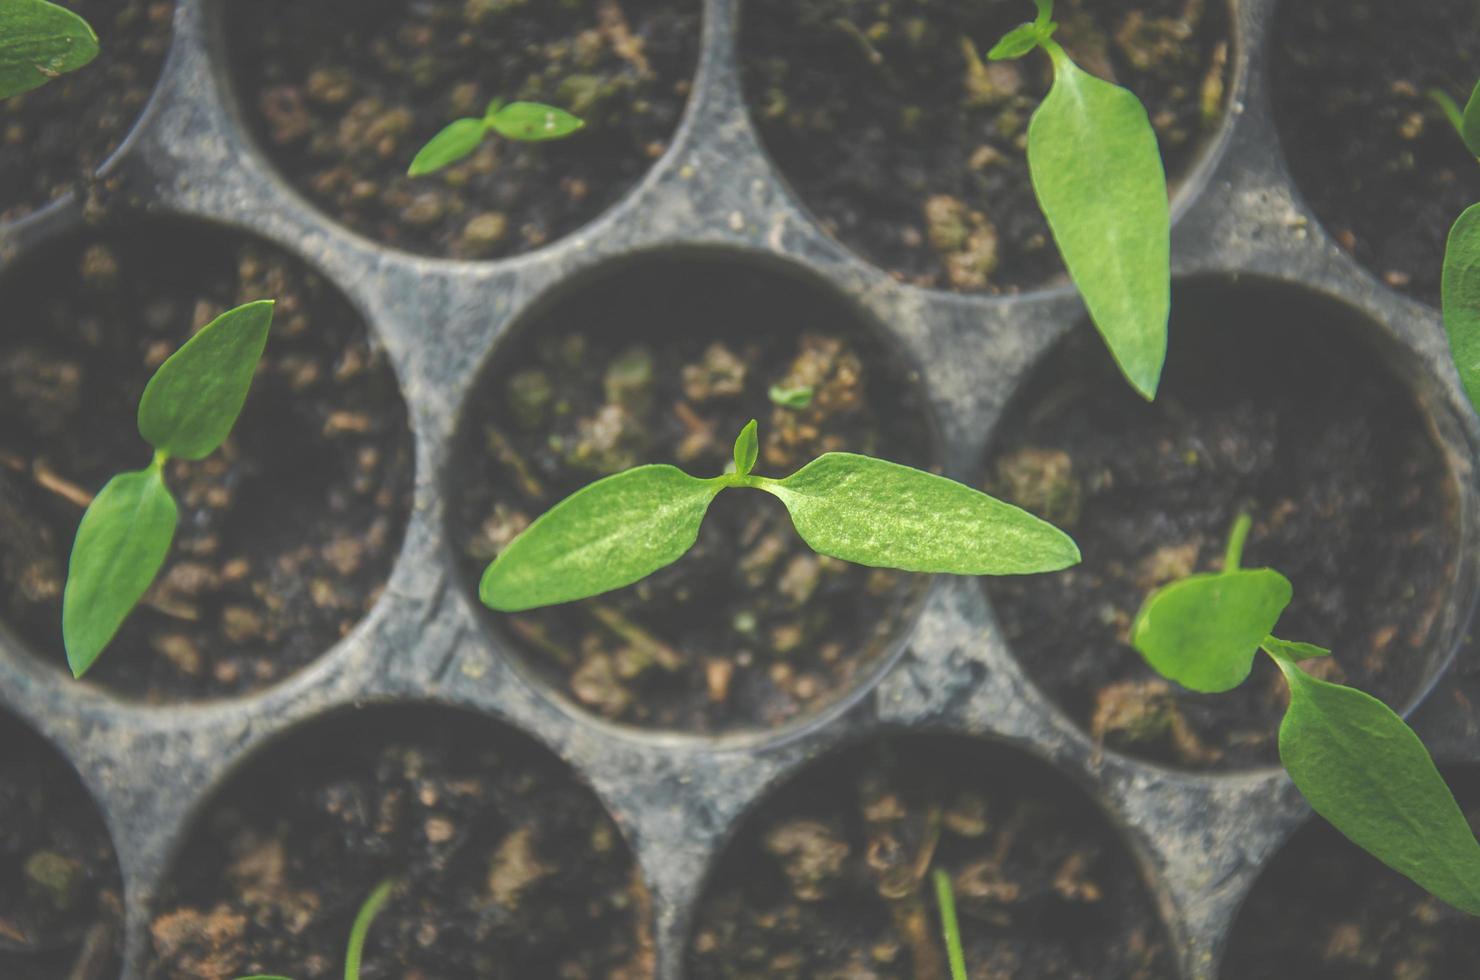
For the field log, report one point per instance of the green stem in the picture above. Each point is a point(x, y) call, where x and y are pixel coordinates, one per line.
point(1450, 108)
point(1234, 553)
point(160, 458)
point(949, 927)
point(373, 904)
point(1045, 12)
point(1056, 54)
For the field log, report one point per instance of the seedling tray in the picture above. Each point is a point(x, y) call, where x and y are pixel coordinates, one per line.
point(1199, 839)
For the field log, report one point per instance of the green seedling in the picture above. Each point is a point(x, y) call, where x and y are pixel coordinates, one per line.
point(1098, 176)
point(38, 42)
point(1356, 762)
point(525, 122)
point(186, 412)
point(1459, 289)
point(623, 528)
point(355, 951)
point(798, 398)
point(945, 899)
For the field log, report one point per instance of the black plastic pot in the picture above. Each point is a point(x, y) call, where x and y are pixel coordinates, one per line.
point(1201, 840)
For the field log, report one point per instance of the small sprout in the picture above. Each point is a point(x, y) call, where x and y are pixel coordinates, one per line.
point(526, 122)
point(945, 898)
point(1097, 172)
point(623, 528)
point(38, 42)
point(798, 398)
point(355, 950)
point(187, 410)
point(1355, 761)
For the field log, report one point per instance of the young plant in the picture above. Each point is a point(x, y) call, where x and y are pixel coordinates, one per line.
point(187, 410)
point(38, 42)
point(526, 122)
point(1459, 287)
point(1098, 176)
point(1355, 761)
point(355, 951)
point(623, 528)
point(798, 398)
point(945, 899)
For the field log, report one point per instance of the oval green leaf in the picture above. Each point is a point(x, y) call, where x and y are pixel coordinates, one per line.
point(38, 42)
point(533, 122)
point(1367, 773)
point(121, 543)
point(1460, 298)
point(874, 512)
point(602, 537)
point(1016, 43)
point(191, 403)
point(747, 449)
point(798, 398)
point(1204, 630)
point(1099, 180)
point(456, 140)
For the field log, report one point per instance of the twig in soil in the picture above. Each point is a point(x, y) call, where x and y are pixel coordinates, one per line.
point(538, 636)
point(529, 484)
point(47, 479)
point(644, 642)
point(95, 957)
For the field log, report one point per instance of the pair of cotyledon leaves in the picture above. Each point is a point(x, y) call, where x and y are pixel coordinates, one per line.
point(187, 410)
point(526, 122)
point(38, 42)
point(1098, 176)
point(1355, 761)
point(625, 527)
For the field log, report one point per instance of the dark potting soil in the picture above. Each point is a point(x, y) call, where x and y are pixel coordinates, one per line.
point(1327, 910)
point(506, 865)
point(342, 93)
point(830, 878)
point(908, 145)
point(1270, 402)
point(1370, 150)
point(663, 361)
point(61, 899)
point(53, 139)
point(285, 534)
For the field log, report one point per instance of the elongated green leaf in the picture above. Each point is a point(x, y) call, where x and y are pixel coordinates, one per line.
point(950, 928)
point(1469, 128)
point(799, 397)
point(747, 449)
point(191, 403)
point(532, 122)
point(1277, 647)
point(456, 140)
point(1460, 296)
point(121, 542)
point(38, 42)
point(1099, 179)
point(1365, 771)
point(1204, 630)
point(879, 513)
point(1016, 43)
point(602, 537)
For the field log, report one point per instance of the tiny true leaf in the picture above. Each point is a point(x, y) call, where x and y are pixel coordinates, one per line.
point(191, 403)
point(1365, 771)
point(874, 512)
point(38, 42)
point(456, 140)
point(1099, 179)
point(1277, 647)
point(1016, 43)
point(747, 448)
point(533, 122)
point(1460, 297)
point(1204, 630)
point(799, 397)
point(602, 537)
point(121, 543)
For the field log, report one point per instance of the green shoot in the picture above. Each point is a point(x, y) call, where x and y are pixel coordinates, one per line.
point(623, 528)
point(353, 953)
point(1351, 756)
point(1098, 176)
point(38, 42)
point(526, 122)
point(1459, 292)
point(798, 398)
point(950, 929)
point(187, 410)
point(1467, 122)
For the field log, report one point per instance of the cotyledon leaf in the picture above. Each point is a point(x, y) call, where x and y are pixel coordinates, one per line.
point(533, 122)
point(191, 403)
point(453, 142)
point(39, 41)
point(1460, 297)
point(604, 536)
point(1099, 179)
point(747, 449)
point(874, 512)
point(1363, 769)
point(121, 542)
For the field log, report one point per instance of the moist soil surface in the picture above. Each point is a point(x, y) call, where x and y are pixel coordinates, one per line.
point(1272, 403)
point(908, 144)
point(1327, 910)
point(505, 865)
point(54, 138)
point(663, 362)
point(285, 534)
point(61, 900)
point(830, 878)
point(342, 93)
point(1371, 151)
